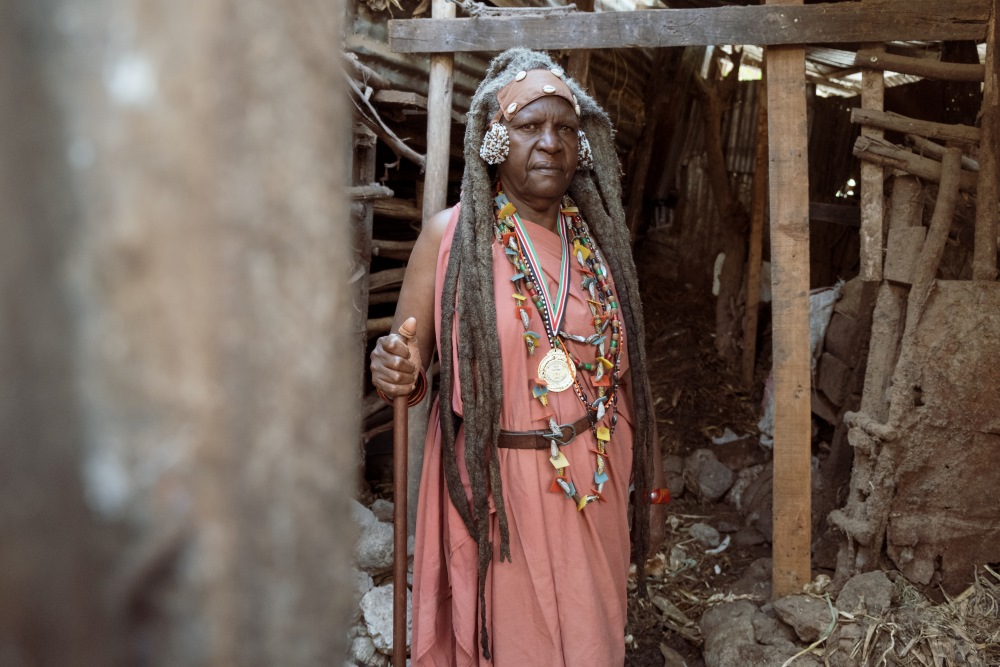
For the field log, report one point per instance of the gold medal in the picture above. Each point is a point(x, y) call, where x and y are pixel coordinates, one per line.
point(557, 370)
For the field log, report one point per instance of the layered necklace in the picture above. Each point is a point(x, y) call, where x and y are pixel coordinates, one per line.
point(559, 369)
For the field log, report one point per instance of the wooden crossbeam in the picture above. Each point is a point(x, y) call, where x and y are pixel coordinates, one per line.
point(878, 59)
point(824, 23)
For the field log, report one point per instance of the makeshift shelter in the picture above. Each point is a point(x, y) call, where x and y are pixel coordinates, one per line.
point(893, 375)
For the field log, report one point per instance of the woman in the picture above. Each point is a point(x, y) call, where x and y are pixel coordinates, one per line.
point(544, 418)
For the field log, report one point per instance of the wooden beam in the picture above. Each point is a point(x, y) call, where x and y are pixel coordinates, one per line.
point(837, 214)
point(890, 155)
point(877, 59)
point(379, 298)
point(397, 209)
point(984, 263)
point(754, 250)
point(378, 326)
point(905, 213)
point(789, 198)
point(367, 192)
point(936, 151)
point(392, 249)
point(578, 64)
point(388, 279)
point(439, 93)
point(825, 23)
point(887, 120)
point(872, 185)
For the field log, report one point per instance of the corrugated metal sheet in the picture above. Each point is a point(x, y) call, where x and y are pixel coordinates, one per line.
point(740, 129)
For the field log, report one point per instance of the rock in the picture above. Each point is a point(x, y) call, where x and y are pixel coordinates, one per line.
point(706, 476)
point(673, 474)
point(725, 624)
point(383, 509)
point(673, 464)
point(740, 453)
point(361, 514)
point(705, 534)
point(730, 639)
point(743, 480)
point(771, 632)
point(362, 584)
point(377, 608)
point(672, 658)
point(373, 551)
point(748, 536)
point(363, 650)
point(840, 645)
point(756, 580)
point(809, 616)
point(756, 501)
point(871, 591)
point(727, 527)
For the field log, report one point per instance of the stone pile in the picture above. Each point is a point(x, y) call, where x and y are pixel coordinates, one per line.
point(753, 632)
point(371, 633)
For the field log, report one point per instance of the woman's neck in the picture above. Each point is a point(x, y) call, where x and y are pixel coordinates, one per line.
point(544, 213)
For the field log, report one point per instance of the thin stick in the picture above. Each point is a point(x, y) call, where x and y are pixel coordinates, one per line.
point(399, 416)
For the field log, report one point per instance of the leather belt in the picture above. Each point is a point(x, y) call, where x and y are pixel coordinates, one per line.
point(543, 439)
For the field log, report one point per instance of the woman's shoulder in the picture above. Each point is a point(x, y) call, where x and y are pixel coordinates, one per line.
point(439, 229)
point(438, 224)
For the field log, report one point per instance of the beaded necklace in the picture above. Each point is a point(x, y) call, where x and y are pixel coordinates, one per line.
point(559, 369)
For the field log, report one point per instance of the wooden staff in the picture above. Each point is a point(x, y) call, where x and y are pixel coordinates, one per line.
point(400, 407)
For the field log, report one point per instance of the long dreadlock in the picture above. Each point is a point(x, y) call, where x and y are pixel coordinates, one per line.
point(468, 283)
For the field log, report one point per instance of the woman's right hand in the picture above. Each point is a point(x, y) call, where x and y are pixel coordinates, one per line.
point(396, 363)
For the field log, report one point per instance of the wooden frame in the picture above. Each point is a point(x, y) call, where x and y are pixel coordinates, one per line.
point(764, 25)
point(787, 25)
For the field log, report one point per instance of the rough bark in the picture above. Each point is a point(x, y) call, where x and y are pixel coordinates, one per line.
point(181, 333)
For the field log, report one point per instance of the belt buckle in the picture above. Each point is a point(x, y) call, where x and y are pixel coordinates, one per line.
point(556, 437)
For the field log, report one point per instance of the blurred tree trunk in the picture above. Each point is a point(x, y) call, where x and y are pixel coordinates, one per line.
point(175, 334)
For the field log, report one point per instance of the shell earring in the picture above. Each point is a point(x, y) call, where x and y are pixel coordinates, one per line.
point(584, 156)
point(496, 144)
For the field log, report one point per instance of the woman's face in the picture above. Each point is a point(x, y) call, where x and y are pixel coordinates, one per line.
point(543, 150)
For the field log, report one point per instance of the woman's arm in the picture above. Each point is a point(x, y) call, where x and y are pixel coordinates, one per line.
point(394, 362)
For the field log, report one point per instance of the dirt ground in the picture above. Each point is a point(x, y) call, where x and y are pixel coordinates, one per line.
point(696, 399)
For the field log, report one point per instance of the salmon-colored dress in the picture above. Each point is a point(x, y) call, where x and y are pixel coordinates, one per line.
point(561, 601)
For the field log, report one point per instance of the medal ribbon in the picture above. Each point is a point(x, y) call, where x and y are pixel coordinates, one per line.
point(555, 308)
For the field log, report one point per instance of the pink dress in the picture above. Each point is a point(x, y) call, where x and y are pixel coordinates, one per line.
point(561, 601)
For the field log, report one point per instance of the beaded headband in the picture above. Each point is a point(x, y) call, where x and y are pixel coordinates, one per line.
point(530, 85)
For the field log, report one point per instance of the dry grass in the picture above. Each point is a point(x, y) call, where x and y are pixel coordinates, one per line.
point(960, 632)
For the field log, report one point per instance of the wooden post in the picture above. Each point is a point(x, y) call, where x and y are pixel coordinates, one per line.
point(578, 66)
point(362, 174)
point(756, 238)
point(438, 121)
point(872, 192)
point(435, 199)
point(905, 211)
point(924, 272)
point(984, 265)
point(789, 166)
